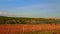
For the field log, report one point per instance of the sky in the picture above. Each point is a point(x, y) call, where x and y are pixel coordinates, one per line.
point(30, 8)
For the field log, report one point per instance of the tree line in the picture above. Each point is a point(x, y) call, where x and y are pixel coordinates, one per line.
point(21, 20)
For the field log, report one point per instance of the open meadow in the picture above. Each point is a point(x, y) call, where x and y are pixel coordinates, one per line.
point(29, 28)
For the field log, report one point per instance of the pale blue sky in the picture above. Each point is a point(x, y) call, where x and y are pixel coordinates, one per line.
point(30, 8)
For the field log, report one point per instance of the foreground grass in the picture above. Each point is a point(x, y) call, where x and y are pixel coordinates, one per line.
point(37, 32)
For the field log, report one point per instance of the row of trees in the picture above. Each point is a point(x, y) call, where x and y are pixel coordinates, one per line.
point(16, 20)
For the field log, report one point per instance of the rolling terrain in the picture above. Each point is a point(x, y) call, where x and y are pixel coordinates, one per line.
point(20, 25)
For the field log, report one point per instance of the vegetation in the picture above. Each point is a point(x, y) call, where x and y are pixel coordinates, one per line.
point(37, 32)
point(20, 20)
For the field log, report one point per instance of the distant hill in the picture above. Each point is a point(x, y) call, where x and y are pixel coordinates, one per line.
point(22, 20)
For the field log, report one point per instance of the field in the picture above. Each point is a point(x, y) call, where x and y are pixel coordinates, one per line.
point(29, 28)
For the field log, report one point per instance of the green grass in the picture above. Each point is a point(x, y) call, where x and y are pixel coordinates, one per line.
point(35, 32)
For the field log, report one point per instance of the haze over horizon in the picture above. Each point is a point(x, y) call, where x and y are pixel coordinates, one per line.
point(30, 8)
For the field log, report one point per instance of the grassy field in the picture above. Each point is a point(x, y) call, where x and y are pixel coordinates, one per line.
point(29, 29)
point(38, 32)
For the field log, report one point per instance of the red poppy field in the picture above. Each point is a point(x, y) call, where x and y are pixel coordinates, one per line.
point(13, 28)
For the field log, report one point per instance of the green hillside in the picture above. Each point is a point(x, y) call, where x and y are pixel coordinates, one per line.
point(22, 20)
